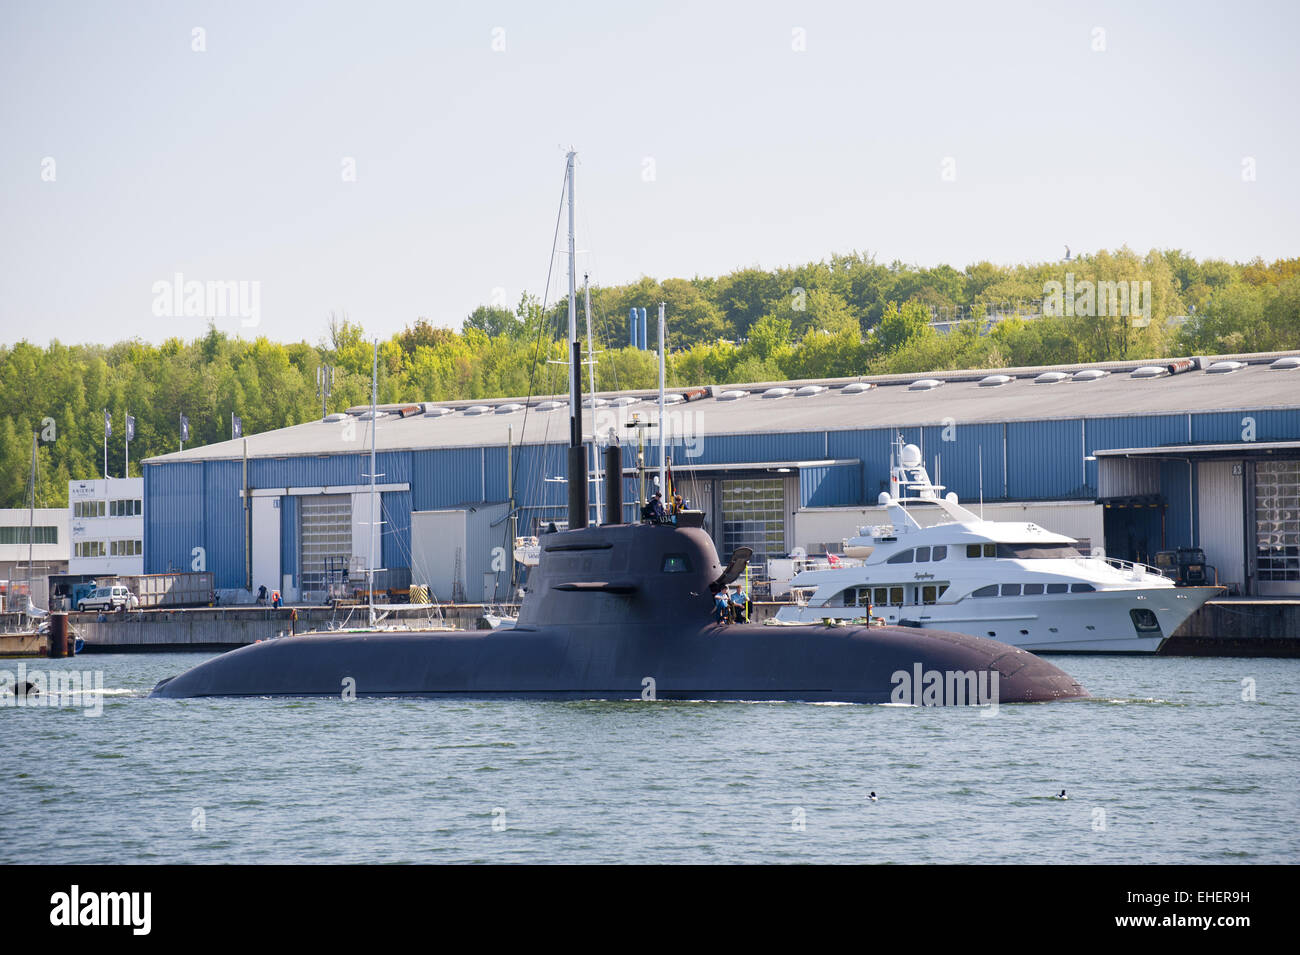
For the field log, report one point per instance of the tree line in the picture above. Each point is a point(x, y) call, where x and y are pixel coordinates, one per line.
point(848, 315)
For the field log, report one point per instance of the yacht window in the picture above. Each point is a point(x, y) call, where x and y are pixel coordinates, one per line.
point(943, 589)
point(1058, 588)
point(862, 597)
point(972, 550)
point(902, 557)
point(1037, 551)
point(1082, 588)
point(922, 554)
point(1144, 621)
point(939, 553)
point(932, 592)
point(1033, 589)
point(896, 596)
point(676, 564)
point(1011, 590)
point(990, 591)
point(880, 596)
point(990, 550)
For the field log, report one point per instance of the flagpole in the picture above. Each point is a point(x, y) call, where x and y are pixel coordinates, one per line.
point(126, 445)
point(180, 423)
point(105, 444)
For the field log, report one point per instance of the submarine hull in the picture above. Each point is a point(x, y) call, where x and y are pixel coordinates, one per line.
point(624, 612)
point(811, 664)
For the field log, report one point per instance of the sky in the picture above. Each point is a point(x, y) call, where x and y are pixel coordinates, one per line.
point(392, 161)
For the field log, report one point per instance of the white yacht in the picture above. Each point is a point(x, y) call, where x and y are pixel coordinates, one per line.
point(1015, 582)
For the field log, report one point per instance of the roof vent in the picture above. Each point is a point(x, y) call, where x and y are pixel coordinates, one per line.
point(777, 392)
point(924, 384)
point(1225, 367)
point(1090, 374)
point(995, 381)
point(594, 402)
point(732, 395)
point(478, 409)
point(337, 416)
point(1290, 363)
point(673, 399)
point(432, 412)
point(623, 401)
point(1150, 371)
point(370, 415)
point(552, 405)
point(1051, 377)
point(858, 388)
point(510, 408)
point(807, 390)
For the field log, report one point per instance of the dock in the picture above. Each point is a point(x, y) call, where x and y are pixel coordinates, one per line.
point(1245, 627)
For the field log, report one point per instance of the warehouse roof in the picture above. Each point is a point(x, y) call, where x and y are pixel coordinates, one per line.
point(1109, 389)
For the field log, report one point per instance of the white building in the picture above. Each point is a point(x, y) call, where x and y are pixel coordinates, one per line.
point(106, 524)
point(48, 553)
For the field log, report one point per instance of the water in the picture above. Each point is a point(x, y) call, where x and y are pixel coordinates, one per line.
point(1166, 764)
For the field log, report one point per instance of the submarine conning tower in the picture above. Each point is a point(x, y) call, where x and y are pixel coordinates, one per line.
point(622, 573)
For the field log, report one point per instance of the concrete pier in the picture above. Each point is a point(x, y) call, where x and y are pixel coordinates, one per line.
point(1255, 627)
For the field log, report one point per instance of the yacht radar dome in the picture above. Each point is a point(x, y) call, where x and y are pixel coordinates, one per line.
point(910, 456)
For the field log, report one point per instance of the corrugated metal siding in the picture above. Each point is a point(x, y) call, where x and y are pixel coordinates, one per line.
point(1220, 516)
point(395, 541)
point(1176, 482)
point(832, 486)
point(173, 516)
point(223, 522)
point(1045, 461)
point(289, 537)
point(1229, 426)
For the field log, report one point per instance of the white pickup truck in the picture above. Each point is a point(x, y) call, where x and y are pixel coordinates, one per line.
point(109, 598)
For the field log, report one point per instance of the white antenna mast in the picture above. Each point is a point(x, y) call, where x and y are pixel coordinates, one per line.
point(591, 365)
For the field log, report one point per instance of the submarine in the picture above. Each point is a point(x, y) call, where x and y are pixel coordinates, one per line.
point(624, 611)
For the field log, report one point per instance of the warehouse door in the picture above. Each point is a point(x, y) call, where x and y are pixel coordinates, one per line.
point(753, 515)
point(324, 542)
point(1277, 527)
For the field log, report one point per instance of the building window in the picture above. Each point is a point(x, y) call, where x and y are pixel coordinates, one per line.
point(40, 534)
point(89, 549)
point(126, 548)
point(128, 508)
point(88, 509)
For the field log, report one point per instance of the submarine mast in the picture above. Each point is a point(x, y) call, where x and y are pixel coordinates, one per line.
point(577, 453)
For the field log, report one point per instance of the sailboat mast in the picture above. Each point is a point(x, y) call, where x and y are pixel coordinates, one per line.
point(374, 405)
point(31, 523)
point(591, 371)
point(663, 487)
point(577, 453)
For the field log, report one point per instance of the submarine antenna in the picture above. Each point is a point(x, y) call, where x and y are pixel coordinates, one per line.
point(577, 453)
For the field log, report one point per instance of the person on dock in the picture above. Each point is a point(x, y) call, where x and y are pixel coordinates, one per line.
point(293, 621)
point(275, 599)
point(261, 596)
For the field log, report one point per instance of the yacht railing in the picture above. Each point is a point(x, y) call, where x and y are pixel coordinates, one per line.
point(1131, 566)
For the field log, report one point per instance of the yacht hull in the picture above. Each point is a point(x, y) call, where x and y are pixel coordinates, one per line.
point(1099, 622)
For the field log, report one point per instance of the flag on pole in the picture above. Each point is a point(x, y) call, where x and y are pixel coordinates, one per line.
point(130, 427)
point(236, 427)
point(185, 428)
point(108, 425)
